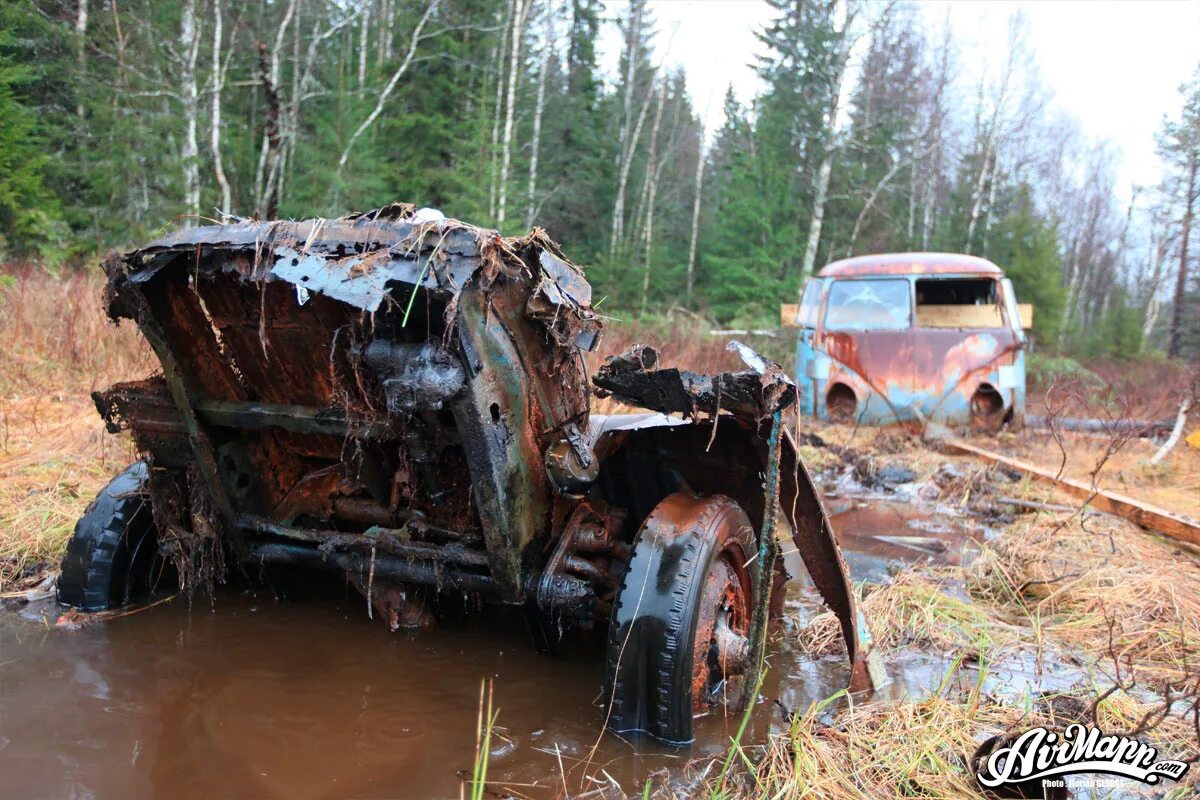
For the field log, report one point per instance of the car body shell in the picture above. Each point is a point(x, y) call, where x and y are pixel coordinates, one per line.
point(405, 398)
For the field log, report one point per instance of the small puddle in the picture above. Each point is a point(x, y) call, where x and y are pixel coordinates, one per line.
point(877, 534)
point(310, 699)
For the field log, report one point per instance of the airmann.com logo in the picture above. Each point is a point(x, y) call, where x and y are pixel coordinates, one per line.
point(1080, 749)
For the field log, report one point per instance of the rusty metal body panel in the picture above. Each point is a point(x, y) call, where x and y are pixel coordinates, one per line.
point(404, 398)
point(910, 264)
point(855, 363)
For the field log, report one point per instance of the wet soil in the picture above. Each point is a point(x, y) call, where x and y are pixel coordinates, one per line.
point(253, 697)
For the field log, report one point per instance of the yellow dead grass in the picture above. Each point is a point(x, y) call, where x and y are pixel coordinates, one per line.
point(916, 749)
point(1173, 483)
point(1084, 579)
point(917, 609)
point(54, 453)
point(1092, 586)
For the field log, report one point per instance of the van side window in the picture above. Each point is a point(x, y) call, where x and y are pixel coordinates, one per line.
point(958, 303)
point(868, 305)
point(810, 303)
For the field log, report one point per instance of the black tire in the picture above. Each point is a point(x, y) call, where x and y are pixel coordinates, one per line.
point(661, 650)
point(110, 557)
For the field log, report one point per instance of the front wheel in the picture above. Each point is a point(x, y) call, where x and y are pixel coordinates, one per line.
point(111, 555)
point(677, 641)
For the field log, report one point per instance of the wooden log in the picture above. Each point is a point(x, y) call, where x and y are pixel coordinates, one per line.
point(1169, 524)
point(1025, 313)
point(789, 313)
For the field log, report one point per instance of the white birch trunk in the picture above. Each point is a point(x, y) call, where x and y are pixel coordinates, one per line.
point(190, 150)
point(629, 132)
point(633, 52)
point(81, 26)
point(818, 217)
point(691, 265)
point(1150, 317)
point(364, 32)
point(385, 33)
point(268, 159)
point(514, 61)
point(989, 148)
point(215, 116)
point(618, 218)
point(652, 191)
point(991, 203)
point(911, 227)
point(493, 173)
point(389, 87)
point(539, 106)
point(1076, 272)
point(821, 192)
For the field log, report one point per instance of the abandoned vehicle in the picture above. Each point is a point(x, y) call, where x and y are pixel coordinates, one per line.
point(403, 399)
point(911, 338)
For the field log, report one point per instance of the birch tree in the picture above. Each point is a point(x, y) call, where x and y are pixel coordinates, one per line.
point(520, 15)
point(651, 191)
point(636, 75)
point(538, 110)
point(510, 8)
point(189, 42)
point(836, 77)
point(81, 29)
point(218, 85)
point(266, 175)
point(418, 35)
point(696, 193)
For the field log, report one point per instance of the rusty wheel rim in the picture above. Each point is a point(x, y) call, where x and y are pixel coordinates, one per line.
point(721, 649)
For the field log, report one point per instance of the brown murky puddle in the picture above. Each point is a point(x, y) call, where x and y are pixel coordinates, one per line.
point(310, 699)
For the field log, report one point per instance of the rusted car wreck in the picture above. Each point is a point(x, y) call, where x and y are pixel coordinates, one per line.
point(404, 399)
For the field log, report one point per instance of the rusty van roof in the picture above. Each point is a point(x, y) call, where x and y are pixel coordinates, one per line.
point(910, 264)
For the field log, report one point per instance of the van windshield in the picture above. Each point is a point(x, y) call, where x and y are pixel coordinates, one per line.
point(869, 305)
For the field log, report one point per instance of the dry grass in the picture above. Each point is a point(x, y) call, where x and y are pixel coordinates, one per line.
point(54, 454)
point(1098, 584)
point(1173, 483)
point(920, 609)
point(872, 751)
point(913, 749)
point(1124, 603)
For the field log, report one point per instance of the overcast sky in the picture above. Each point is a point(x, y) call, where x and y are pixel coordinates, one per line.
point(1114, 65)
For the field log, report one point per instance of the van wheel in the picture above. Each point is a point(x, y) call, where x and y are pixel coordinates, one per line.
point(677, 639)
point(987, 408)
point(841, 404)
point(111, 555)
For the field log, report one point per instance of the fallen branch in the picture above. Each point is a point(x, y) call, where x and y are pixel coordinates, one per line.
point(1176, 431)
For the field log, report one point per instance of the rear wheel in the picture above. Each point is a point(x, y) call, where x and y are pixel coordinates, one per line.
point(111, 555)
point(677, 643)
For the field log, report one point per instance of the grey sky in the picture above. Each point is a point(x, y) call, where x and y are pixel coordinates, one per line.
point(1113, 65)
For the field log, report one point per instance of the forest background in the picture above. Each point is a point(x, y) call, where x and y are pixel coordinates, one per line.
point(866, 135)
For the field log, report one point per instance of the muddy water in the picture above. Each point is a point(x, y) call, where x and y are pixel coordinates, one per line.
point(877, 535)
point(310, 699)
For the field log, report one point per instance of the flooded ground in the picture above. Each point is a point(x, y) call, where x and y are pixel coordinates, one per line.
point(310, 699)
